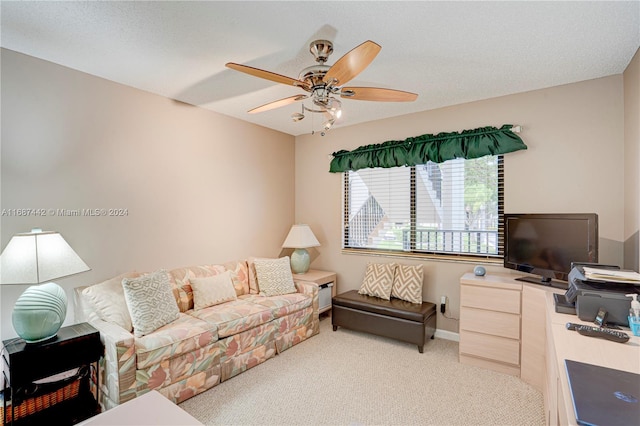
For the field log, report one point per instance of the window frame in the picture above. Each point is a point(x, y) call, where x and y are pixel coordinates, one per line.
point(413, 252)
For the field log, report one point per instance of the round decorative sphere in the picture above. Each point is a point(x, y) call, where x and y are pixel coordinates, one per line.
point(39, 312)
point(479, 271)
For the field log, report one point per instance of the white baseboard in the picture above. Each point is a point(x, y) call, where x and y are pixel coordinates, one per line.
point(447, 335)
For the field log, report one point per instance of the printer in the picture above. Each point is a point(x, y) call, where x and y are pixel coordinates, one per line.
point(586, 297)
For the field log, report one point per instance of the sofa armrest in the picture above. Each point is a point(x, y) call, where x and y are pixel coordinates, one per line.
point(118, 368)
point(311, 289)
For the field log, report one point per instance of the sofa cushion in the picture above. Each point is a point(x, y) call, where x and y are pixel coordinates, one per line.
point(284, 304)
point(209, 291)
point(181, 336)
point(234, 317)
point(378, 280)
point(150, 301)
point(107, 300)
point(274, 276)
point(407, 283)
point(239, 275)
point(182, 286)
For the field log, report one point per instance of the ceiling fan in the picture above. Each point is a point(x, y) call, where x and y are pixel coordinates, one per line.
point(324, 82)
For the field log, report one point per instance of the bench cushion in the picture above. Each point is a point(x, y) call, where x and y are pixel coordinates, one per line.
point(394, 308)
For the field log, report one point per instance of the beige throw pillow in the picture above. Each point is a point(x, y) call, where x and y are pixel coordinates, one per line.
point(107, 300)
point(378, 280)
point(150, 301)
point(407, 283)
point(213, 290)
point(274, 276)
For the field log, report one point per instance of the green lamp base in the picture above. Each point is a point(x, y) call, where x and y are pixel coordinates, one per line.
point(300, 260)
point(39, 312)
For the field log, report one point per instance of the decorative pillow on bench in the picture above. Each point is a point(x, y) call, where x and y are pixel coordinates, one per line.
point(407, 283)
point(387, 280)
point(378, 280)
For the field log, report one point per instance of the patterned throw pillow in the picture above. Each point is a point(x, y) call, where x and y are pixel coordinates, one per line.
point(274, 276)
point(150, 301)
point(378, 280)
point(407, 283)
point(213, 290)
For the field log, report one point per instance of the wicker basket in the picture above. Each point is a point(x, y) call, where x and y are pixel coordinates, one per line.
point(38, 403)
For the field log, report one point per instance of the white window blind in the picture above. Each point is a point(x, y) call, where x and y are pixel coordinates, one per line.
point(452, 208)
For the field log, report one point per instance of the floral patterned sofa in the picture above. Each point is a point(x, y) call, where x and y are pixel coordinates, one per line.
point(202, 346)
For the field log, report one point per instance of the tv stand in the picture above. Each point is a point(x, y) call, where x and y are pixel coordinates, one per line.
point(548, 282)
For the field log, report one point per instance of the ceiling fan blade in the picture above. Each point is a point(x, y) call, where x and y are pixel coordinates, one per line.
point(277, 104)
point(377, 94)
point(268, 75)
point(352, 63)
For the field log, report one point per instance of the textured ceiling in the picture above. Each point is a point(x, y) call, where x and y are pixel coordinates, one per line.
point(447, 52)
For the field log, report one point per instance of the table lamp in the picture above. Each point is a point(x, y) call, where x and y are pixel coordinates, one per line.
point(300, 238)
point(38, 257)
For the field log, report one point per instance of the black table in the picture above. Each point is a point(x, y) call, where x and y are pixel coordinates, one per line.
point(76, 346)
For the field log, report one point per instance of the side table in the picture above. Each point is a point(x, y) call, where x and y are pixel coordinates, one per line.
point(326, 282)
point(27, 364)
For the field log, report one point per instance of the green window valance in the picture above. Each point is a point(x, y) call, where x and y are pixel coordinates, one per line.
point(436, 148)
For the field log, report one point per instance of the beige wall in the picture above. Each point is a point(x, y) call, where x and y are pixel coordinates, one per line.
point(199, 187)
point(632, 164)
point(573, 164)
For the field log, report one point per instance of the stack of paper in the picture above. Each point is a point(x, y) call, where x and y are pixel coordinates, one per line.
point(613, 275)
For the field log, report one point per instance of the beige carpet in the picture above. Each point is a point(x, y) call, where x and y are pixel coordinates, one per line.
point(351, 378)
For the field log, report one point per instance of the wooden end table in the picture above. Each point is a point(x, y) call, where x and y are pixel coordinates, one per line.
point(74, 347)
point(325, 280)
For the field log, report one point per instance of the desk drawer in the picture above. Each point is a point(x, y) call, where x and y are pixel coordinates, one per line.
point(493, 299)
point(490, 347)
point(499, 324)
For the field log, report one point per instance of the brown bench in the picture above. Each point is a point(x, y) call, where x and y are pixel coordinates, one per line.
point(395, 318)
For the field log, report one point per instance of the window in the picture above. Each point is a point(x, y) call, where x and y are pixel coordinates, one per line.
point(451, 208)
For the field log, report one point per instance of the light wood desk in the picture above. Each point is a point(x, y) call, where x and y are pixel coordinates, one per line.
point(512, 327)
point(566, 344)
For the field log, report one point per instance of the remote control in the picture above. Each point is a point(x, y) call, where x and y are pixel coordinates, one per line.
point(602, 333)
point(572, 325)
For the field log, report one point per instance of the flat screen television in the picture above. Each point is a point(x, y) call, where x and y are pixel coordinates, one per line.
point(547, 244)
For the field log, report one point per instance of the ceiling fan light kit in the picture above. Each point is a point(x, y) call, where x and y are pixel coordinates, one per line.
point(324, 83)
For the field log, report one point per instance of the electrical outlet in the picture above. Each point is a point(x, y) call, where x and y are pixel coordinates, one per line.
point(443, 304)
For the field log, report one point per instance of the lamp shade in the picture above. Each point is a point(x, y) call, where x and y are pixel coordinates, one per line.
point(300, 236)
point(34, 258)
point(37, 257)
